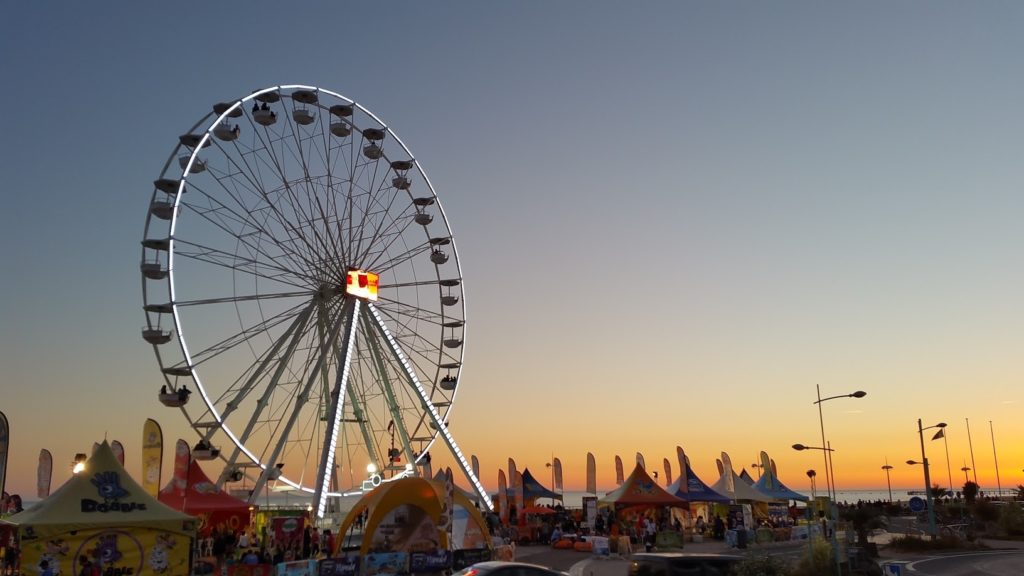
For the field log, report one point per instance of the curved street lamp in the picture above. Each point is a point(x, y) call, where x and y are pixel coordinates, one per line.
point(830, 473)
point(887, 467)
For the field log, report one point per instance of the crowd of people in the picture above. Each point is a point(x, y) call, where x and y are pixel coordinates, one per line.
point(246, 547)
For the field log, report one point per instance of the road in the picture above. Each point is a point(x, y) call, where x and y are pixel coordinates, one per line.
point(994, 563)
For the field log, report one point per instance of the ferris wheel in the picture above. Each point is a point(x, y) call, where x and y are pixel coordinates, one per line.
point(300, 275)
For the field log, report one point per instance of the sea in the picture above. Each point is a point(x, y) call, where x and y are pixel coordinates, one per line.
point(574, 499)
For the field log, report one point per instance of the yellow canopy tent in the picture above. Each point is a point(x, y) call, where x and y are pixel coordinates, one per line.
point(103, 515)
point(410, 515)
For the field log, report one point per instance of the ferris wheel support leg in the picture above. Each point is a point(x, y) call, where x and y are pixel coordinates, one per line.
point(392, 402)
point(293, 333)
point(323, 475)
point(358, 413)
point(300, 400)
point(396, 350)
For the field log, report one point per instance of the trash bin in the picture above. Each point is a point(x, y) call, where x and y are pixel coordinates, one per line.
point(741, 538)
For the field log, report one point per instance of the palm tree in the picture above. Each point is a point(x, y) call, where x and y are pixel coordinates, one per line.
point(938, 492)
point(970, 492)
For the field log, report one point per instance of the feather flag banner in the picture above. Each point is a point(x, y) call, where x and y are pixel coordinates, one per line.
point(152, 457)
point(591, 474)
point(502, 497)
point(5, 435)
point(118, 449)
point(44, 474)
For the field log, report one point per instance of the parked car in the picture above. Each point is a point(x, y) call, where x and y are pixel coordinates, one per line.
point(499, 568)
point(682, 564)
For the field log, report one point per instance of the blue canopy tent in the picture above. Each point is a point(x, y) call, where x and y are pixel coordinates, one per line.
point(532, 489)
point(692, 489)
point(770, 484)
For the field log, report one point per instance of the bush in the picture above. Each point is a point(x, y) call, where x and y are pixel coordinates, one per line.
point(761, 565)
point(918, 544)
point(817, 560)
point(1011, 520)
point(986, 511)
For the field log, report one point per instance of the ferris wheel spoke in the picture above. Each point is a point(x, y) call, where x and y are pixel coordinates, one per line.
point(247, 227)
point(292, 335)
point(384, 241)
point(361, 173)
point(401, 313)
point(376, 205)
point(245, 298)
point(245, 335)
point(276, 167)
point(394, 286)
point(397, 259)
point(301, 399)
point(247, 265)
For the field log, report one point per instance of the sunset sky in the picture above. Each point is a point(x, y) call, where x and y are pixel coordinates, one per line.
point(674, 219)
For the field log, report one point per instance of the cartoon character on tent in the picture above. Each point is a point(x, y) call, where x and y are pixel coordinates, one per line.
point(55, 549)
point(158, 555)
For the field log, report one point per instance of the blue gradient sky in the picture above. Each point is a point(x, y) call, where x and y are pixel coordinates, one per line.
point(733, 201)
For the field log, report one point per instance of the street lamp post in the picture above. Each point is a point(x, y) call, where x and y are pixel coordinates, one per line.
point(757, 467)
point(966, 469)
point(927, 475)
point(830, 474)
point(887, 467)
point(811, 474)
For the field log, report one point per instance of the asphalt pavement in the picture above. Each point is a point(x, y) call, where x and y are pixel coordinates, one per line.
point(587, 564)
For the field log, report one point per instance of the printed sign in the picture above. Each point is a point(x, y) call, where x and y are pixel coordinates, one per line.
point(343, 566)
point(435, 561)
point(463, 558)
point(386, 564)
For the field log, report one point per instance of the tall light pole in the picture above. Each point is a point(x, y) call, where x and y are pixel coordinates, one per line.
point(970, 444)
point(999, 484)
point(949, 474)
point(829, 471)
point(757, 467)
point(887, 467)
point(927, 475)
point(811, 474)
point(821, 423)
point(965, 469)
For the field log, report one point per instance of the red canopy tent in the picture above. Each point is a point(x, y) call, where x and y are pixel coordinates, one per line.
point(201, 498)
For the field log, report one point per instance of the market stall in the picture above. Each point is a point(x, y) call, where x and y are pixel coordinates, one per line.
point(412, 522)
point(199, 497)
point(102, 517)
